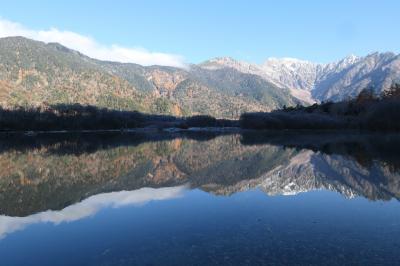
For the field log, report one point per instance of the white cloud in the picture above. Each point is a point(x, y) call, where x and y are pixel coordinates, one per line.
point(89, 207)
point(90, 47)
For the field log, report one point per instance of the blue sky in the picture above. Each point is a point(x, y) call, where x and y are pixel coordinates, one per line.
point(319, 31)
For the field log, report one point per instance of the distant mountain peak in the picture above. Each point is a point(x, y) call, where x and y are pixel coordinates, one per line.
point(286, 60)
point(352, 57)
point(348, 60)
point(229, 62)
point(223, 59)
point(310, 81)
point(220, 62)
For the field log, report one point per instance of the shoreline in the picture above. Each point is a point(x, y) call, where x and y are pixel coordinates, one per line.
point(172, 130)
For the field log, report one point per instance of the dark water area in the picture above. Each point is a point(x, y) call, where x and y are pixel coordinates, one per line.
point(205, 198)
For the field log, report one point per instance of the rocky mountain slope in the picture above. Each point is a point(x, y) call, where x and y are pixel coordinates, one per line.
point(312, 82)
point(35, 74)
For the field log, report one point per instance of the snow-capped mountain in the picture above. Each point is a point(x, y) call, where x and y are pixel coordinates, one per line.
point(221, 87)
point(311, 82)
point(349, 76)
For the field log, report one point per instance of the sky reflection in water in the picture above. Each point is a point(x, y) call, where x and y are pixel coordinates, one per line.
point(241, 203)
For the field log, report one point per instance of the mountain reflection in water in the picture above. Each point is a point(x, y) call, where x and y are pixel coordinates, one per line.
point(40, 174)
point(60, 178)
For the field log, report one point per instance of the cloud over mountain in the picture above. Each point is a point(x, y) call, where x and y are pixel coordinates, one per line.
point(89, 46)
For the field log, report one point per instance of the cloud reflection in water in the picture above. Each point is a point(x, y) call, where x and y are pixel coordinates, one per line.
point(89, 207)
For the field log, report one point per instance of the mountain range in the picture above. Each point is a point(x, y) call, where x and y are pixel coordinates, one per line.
point(313, 82)
point(34, 74)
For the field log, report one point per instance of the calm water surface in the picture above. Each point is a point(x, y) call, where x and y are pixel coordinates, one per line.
point(251, 199)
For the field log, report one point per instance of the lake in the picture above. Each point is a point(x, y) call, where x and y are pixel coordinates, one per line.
point(200, 198)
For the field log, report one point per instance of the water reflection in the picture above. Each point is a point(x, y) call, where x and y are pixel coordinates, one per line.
point(56, 171)
point(89, 206)
point(209, 194)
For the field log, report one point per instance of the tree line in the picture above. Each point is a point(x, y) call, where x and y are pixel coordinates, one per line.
point(367, 111)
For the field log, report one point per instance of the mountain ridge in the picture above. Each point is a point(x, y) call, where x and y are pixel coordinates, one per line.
point(314, 82)
point(34, 74)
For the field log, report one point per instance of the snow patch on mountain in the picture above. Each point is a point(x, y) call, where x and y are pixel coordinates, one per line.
point(312, 82)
